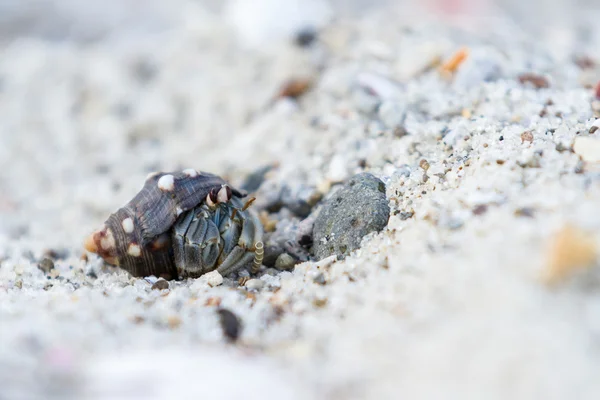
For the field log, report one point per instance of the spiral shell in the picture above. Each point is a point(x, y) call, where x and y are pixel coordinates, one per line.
point(136, 237)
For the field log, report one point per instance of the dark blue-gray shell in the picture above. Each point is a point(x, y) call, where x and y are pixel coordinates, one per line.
point(137, 237)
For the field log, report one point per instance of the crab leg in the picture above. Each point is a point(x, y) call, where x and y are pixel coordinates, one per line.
point(237, 259)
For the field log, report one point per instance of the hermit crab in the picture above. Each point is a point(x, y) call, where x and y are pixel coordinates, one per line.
point(181, 224)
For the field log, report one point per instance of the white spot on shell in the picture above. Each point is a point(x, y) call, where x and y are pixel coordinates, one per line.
point(127, 225)
point(108, 241)
point(222, 195)
point(134, 250)
point(178, 210)
point(192, 173)
point(151, 175)
point(209, 202)
point(166, 183)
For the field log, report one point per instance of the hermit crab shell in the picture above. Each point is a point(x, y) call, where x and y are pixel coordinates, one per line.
point(135, 237)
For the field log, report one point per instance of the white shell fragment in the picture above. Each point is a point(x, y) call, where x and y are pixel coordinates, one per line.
point(213, 278)
point(588, 148)
point(166, 183)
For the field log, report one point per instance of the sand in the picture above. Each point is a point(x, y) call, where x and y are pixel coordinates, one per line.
point(483, 285)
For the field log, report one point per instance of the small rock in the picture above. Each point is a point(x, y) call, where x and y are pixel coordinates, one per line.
point(320, 302)
point(584, 61)
point(480, 209)
point(525, 212)
point(571, 250)
point(537, 81)
point(365, 102)
point(213, 302)
point(174, 321)
point(526, 136)
point(270, 271)
point(326, 262)
point(271, 281)
point(338, 170)
point(450, 66)
point(285, 262)
point(482, 65)
point(378, 85)
point(213, 278)
point(151, 279)
point(452, 136)
point(255, 284)
point(272, 253)
point(392, 114)
point(230, 324)
point(294, 88)
point(242, 280)
point(358, 208)
point(160, 284)
point(320, 279)
point(255, 179)
point(529, 160)
point(305, 37)
point(561, 147)
point(595, 126)
point(46, 265)
point(588, 148)
point(404, 215)
point(56, 254)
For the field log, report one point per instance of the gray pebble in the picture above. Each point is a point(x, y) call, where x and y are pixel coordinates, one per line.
point(255, 179)
point(46, 265)
point(358, 208)
point(272, 252)
point(255, 284)
point(320, 279)
point(271, 271)
point(285, 262)
point(298, 198)
point(292, 237)
point(230, 323)
point(160, 284)
point(392, 114)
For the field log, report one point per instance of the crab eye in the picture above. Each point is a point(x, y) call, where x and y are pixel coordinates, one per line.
point(213, 197)
point(224, 194)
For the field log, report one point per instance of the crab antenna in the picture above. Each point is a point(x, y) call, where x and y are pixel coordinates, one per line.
point(248, 203)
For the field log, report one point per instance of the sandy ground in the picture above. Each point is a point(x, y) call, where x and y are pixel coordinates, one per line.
point(483, 285)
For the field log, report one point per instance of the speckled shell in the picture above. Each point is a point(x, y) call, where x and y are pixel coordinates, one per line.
point(136, 237)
